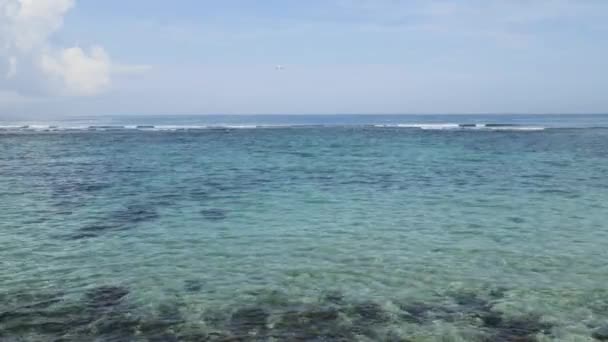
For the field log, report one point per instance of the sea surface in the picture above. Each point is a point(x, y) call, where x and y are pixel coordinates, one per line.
point(304, 228)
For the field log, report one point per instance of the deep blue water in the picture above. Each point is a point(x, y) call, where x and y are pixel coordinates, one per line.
point(320, 228)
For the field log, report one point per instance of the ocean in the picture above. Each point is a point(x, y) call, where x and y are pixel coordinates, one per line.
point(304, 228)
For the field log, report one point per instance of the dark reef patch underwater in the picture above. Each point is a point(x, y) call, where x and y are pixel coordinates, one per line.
point(105, 313)
point(122, 219)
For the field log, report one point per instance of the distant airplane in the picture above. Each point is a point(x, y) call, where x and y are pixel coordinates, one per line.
point(279, 67)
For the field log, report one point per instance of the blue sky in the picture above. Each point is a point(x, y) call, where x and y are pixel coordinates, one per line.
point(89, 57)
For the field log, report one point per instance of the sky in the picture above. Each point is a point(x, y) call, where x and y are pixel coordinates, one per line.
point(113, 57)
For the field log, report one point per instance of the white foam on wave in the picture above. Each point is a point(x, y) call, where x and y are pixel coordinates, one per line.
point(516, 128)
point(73, 128)
point(37, 127)
point(178, 127)
point(506, 127)
point(467, 126)
point(131, 127)
point(438, 126)
point(141, 127)
point(214, 126)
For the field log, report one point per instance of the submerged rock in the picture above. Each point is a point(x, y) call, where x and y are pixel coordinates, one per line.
point(249, 322)
point(193, 285)
point(79, 236)
point(314, 325)
point(135, 214)
point(199, 194)
point(470, 302)
point(42, 327)
point(94, 230)
point(601, 333)
point(193, 336)
point(517, 220)
point(170, 313)
point(27, 306)
point(103, 314)
point(214, 214)
point(334, 297)
point(119, 220)
point(162, 325)
point(166, 337)
point(524, 328)
point(44, 321)
point(105, 296)
point(492, 319)
point(116, 325)
point(417, 312)
point(498, 292)
point(370, 312)
point(36, 301)
point(393, 336)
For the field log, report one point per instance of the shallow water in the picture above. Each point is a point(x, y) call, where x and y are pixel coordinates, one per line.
point(315, 234)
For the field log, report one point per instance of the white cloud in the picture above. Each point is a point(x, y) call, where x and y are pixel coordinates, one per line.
point(80, 72)
point(25, 30)
point(30, 22)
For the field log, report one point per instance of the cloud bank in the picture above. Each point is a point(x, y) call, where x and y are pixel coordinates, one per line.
point(33, 65)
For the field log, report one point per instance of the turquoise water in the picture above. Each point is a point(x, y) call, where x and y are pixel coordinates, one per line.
point(340, 232)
